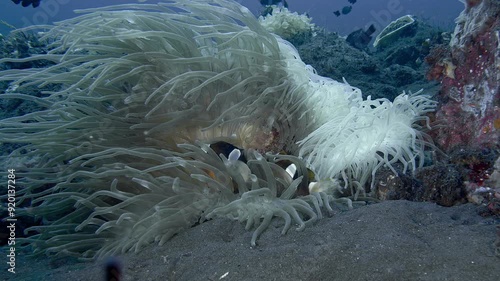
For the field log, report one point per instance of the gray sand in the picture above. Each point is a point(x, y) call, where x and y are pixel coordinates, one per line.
point(393, 240)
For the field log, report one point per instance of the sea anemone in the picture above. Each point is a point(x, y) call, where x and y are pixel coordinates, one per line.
point(286, 24)
point(377, 133)
point(121, 154)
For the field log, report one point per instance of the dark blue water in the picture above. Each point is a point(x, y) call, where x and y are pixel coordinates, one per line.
point(363, 13)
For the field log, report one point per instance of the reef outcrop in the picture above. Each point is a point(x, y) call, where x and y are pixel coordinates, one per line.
point(469, 111)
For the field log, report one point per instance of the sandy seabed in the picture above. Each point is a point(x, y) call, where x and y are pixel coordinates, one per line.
point(392, 240)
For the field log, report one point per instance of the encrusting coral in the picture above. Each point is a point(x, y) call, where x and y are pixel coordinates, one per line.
point(121, 155)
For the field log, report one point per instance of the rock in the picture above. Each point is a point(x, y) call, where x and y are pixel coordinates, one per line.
point(469, 111)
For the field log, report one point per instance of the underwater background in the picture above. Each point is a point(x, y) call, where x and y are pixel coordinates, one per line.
point(423, 205)
point(363, 13)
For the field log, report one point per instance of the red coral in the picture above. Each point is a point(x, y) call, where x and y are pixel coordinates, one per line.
point(469, 96)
